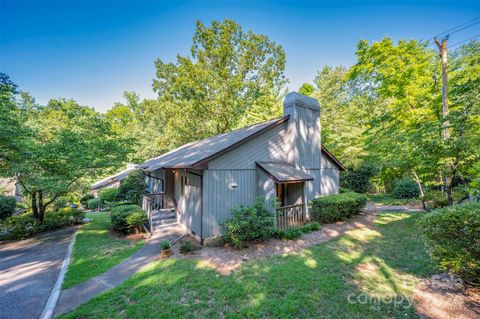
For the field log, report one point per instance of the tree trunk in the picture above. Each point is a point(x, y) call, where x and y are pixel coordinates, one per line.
point(41, 207)
point(34, 205)
point(420, 188)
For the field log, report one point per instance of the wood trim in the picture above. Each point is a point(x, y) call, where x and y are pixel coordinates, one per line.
point(333, 159)
point(282, 182)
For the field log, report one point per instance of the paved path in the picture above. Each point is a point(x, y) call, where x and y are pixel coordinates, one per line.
point(80, 294)
point(28, 272)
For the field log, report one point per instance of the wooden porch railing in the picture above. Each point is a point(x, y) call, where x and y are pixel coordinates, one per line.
point(158, 201)
point(290, 216)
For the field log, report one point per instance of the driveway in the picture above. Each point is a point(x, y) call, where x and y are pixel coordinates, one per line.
point(28, 272)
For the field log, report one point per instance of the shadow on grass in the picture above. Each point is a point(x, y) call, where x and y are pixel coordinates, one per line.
point(367, 273)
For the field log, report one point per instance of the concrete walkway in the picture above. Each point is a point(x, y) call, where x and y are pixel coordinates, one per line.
point(73, 297)
point(28, 271)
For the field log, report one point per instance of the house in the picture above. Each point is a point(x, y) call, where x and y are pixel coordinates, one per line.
point(112, 181)
point(282, 159)
point(10, 187)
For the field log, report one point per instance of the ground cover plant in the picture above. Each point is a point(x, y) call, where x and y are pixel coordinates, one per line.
point(325, 281)
point(96, 250)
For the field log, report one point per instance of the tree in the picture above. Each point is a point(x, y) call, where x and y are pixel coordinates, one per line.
point(140, 123)
point(71, 143)
point(12, 132)
point(344, 113)
point(133, 187)
point(228, 74)
point(306, 89)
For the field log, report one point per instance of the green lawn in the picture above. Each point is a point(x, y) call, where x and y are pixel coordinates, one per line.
point(96, 250)
point(317, 283)
point(386, 199)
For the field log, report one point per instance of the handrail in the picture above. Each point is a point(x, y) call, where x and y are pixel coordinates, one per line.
point(290, 216)
point(157, 201)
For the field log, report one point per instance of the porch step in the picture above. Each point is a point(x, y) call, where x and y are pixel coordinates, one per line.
point(163, 218)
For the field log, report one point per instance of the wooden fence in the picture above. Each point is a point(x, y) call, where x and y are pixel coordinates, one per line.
point(290, 216)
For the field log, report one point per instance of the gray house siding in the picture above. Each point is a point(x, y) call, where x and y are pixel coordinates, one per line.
point(266, 147)
point(220, 195)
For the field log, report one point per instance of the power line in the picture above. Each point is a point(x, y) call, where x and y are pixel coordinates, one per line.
point(468, 26)
point(475, 36)
point(459, 26)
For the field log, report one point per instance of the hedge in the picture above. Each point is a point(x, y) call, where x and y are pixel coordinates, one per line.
point(452, 237)
point(333, 208)
point(23, 226)
point(247, 224)
point(7, 206)
point(405, 188)
point(127, 218)
point(94, 203)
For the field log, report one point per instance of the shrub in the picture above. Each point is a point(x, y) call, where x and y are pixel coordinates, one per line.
point(85, 198)
point(452, 236)
point(94, 203)
point(7, 206)
point(133, 187)
point(358, 180)
point(135, 221)
point(405, 188)
point(23, 226)
point(333, 208)
point(248, 223)
point(60, 203)
point(165, 245)
point(295, 233)
point(108, 195)
point(188, 246)
point(436, 198)
point(119, 217)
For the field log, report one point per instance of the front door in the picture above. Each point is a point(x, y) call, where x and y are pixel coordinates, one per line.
point(193, 202)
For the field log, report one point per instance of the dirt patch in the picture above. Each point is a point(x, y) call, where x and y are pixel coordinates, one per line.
point(445, 297)
point(226, 259)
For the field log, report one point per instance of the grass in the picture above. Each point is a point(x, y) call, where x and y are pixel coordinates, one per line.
point(96, 250)
point(364, 266)
point(387, 199)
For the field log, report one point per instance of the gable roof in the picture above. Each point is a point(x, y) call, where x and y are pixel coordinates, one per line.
point(197, 153)
point(284, 172)
point(114, 178)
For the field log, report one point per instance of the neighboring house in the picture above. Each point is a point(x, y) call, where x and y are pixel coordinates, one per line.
point(279, 159)
point(10, 187)
point(112, 181)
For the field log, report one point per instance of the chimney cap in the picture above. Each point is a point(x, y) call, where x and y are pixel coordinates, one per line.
point(295, 98)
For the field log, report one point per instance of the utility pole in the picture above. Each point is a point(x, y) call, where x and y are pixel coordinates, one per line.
point(443, 52)
point(446, 131)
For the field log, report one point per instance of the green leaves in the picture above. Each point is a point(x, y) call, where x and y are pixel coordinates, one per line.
point(229, 73)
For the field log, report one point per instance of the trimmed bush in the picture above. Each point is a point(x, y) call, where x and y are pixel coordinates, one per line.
point(295, 233)
point(108, 195)
point(7, 206)
point(333, 208)
point(120, 214)
point(23, 226)
point(135, 221)
point(405, 188)
point(85, 198)
point(247, 224)
point(94, 203)
point(452, 236)
point(188, 246)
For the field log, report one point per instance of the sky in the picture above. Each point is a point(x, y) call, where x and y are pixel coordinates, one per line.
point(93, 51)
